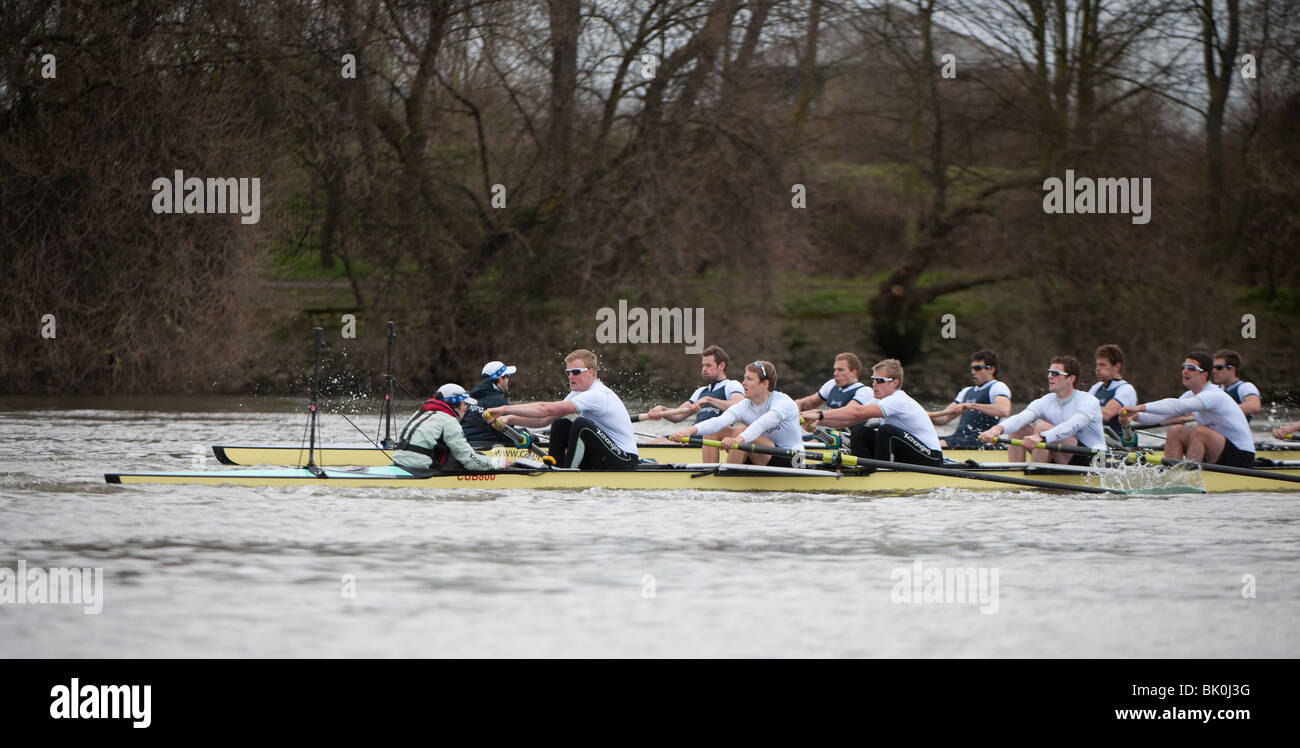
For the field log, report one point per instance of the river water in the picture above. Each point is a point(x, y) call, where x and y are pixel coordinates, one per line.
point(199, 571)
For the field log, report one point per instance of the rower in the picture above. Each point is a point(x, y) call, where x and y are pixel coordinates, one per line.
point(1114, 393)
point(907, 435)
point(1227, 374)
point(979, 405)
point(1221, 434)
point(709, 401)
point(433, 438)
point(490, 393)
point(599, 437)
point(1064, 415)
point(771, 419)
point(841, 389)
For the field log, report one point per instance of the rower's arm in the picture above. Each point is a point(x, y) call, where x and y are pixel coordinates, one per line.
point(845, 416)
point(1018, 421)
point(531, 423)
point(999, 408)
point(682, 416)
point(1072, 426)
point(1155, 412)
point(1111, 409)
point(710, 426)
point(1251, 404)
point(941, 417)
point(535, 415)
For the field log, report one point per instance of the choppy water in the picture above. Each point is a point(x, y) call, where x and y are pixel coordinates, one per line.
point(224, 571)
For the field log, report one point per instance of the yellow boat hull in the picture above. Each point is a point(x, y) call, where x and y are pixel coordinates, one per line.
point(723, 478)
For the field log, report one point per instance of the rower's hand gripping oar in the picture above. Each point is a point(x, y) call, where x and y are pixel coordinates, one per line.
point(831, 438)
point(839, 458)
point(521, 437)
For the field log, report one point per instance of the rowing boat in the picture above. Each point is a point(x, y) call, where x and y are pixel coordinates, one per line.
point(370, 456)
point(714, 476)
point(366, 455)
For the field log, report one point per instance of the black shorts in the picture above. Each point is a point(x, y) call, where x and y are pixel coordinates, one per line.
point(581, 444)
point(889, 442)
point(1081, 460)
point(1233, 457)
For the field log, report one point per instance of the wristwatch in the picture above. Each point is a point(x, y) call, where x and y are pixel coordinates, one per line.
point(821, 416)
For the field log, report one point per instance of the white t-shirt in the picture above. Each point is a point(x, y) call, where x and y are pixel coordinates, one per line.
point(1124, 393)
point(996, 387)
point(606, 410)
point(861, 393)
point(730, 387)
point(899, 409)
point(777, 419)
point(1078, 415)
point(1212, 407)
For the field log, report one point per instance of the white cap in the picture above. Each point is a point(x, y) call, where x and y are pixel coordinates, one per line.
point(496, 370)
point(454, 393)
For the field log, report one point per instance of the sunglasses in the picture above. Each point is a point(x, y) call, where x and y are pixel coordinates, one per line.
point(979, 367)
point(1193, 367)
point(575, 371)
point(1055, 373)
point(762, 372)
point(882, 380)
point(1221, 367)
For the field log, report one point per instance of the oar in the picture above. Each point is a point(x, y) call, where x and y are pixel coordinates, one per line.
point(315, 377)
point(673, 412)
point(1171, 462)
point(1053, 446)
point(520, 437)
point(1161, 437)
point(1130, 454)
point(838, 458)
point(1213, 468)
point(831, 438)
point(386, 415)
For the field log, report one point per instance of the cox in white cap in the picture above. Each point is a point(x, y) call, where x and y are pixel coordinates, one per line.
point(453, 393)
point(494, 370)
